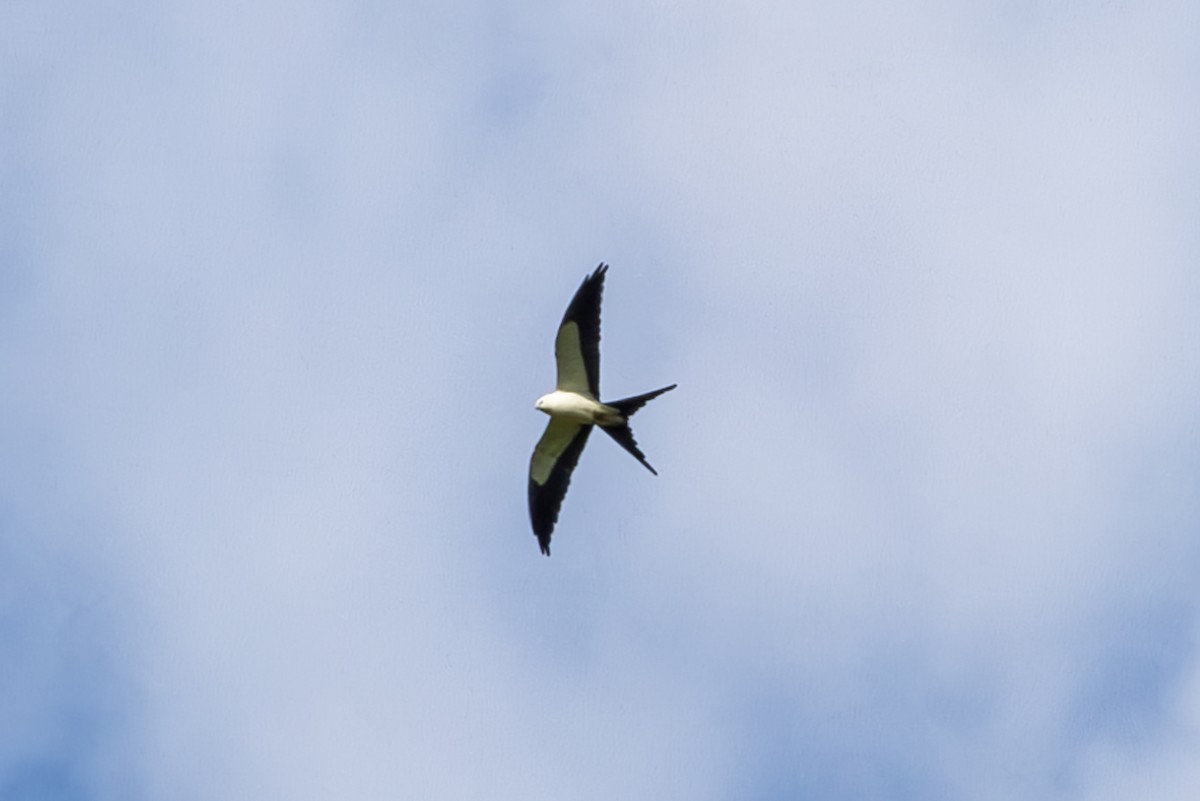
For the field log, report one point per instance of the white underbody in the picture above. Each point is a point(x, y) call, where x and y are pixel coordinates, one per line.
point(578, 408)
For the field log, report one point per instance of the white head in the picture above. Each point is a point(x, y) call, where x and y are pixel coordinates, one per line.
point(543, 404)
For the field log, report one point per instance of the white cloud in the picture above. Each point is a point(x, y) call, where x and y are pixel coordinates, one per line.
point(925, 280)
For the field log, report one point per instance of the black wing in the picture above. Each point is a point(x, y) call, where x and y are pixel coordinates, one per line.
point(554, 459)
point(577, 346)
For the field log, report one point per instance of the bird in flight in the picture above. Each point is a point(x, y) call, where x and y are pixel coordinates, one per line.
point(574, 407)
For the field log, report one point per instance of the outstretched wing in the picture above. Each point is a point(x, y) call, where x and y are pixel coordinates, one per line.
point(554, 459)
point(577, 346)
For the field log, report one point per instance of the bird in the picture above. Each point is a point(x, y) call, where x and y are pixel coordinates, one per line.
point(575, 408)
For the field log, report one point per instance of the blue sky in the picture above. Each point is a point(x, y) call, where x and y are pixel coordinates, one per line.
point(278, 287)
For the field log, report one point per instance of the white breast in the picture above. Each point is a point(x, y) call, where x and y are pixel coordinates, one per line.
point(571, 406)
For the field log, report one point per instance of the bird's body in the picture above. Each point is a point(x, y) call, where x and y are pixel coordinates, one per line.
point(578, 407)
point(574, 409)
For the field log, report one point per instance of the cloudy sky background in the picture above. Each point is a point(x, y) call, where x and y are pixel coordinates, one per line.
point(278, 287)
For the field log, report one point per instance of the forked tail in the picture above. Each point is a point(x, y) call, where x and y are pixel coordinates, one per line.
point(629, 406)
point(622, 433)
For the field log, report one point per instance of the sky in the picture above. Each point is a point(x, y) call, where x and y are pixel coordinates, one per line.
point(278, 289)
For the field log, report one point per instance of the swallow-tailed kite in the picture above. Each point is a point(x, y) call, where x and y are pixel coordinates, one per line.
point(574, 407)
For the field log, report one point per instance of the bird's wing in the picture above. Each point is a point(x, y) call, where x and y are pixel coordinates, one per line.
point(577, 346)
point(554, 459)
